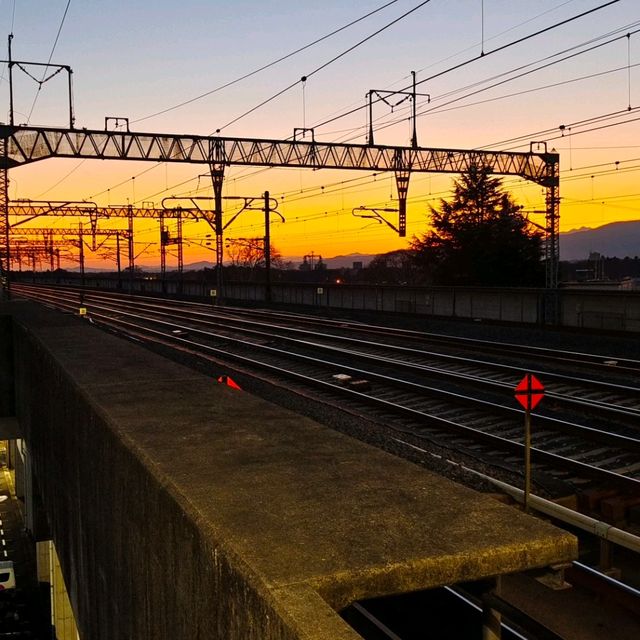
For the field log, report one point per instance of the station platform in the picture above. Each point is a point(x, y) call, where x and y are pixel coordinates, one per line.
point(180, 504)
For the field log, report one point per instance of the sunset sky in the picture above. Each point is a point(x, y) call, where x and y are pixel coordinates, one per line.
point(140, 59)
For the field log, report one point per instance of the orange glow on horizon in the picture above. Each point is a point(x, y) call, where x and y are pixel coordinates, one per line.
point(317, 205)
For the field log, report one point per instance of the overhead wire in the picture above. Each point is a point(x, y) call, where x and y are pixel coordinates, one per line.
point(479, 57)
point(266, 66)
point(53, 48)
point(297, 195)
point(324, 65)
point(308, 75)
point(546, 29)
point(497, 35)
point(353, 133)
point(439, 108)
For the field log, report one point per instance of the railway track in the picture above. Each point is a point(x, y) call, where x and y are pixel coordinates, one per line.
point(423, 386)
point(423, 389)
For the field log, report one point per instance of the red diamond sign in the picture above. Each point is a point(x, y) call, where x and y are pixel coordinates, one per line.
point(529, 391)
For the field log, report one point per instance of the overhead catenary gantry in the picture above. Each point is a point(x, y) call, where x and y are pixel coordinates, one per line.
point(178, 208)
point(21, 145)
point(41, 252)
point(74, 237)
point(30, 210)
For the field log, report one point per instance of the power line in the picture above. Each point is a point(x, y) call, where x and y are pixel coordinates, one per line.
point(313, 72)
point(389, 86)
point(264, 67)
point(304, 78)
point(267, 169)
point(323, 66)
point(590, 76)
point(440, 108)
point(593, 120)
point(441, 73)
point(61, 179)
point(497, 35)
point(571, 126)
point(55, 44)
point(479, 57)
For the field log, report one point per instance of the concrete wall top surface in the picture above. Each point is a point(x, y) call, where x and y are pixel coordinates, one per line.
point(307, 519)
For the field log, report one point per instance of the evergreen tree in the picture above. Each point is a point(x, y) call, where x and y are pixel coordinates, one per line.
point(480, 237)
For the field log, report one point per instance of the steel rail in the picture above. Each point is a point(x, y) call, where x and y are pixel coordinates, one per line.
point(604, 408)
point(600, 362)
point(543, 420)
point(509, 349)
point(575, 466)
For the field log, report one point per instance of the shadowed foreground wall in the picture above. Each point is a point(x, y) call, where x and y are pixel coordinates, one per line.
point(138, 561)
point(183, 509)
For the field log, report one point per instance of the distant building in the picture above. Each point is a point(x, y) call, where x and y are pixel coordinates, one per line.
point(630, 284)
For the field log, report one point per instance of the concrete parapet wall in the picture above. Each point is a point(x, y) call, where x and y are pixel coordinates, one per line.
point(602, 310)
point(140, 561)
point(184, 509)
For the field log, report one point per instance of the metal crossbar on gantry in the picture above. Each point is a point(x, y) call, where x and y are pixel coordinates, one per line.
point(25, 211)
point(20, 145)
point(75, 237)
point(30, 210)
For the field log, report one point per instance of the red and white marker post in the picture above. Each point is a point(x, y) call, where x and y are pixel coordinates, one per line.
point(529, 391)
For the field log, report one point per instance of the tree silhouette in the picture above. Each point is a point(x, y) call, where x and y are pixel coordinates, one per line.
point(480, 237)
point(249, 253)
point(394, 267)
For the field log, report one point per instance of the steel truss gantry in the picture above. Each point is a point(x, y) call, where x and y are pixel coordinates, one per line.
point(30, 210)
point(5, 256)
point(34, 252)
point(76, 237)
point(26, 144)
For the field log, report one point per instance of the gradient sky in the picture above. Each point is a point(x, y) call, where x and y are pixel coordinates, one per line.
point(134, 58)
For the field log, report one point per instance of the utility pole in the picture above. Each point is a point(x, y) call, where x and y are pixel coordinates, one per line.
point(164, 237)
point(10, 65)
point(81, 245)
point(267, 248)
point(165, 240)
point(5, 263)
point(130, 247)
point(49, 245)
point(180, 252)
point(118, 261)
point(217, 177)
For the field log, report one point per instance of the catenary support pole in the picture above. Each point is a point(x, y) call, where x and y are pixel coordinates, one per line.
point(267, 247)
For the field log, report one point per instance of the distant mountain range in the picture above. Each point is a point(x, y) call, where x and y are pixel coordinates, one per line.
point(337, 262)
point(617, 239)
